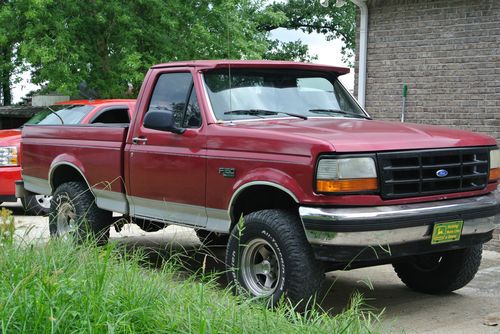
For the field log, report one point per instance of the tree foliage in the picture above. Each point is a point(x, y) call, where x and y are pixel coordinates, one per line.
point(309, 16)
point(110, 43)
point(10, 35)
point(295, 50)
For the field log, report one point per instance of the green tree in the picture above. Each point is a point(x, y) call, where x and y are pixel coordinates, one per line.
point(295, 50)
point(108, 43)
point(10, 34)
point(309, 16)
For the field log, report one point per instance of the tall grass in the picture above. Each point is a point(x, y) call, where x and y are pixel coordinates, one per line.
point(57, 287)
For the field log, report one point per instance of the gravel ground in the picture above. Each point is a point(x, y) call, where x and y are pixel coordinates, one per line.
point(472, 309)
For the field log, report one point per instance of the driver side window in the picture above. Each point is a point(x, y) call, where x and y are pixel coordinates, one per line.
point(175, 92)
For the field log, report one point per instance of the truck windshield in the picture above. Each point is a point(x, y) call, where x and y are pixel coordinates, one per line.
point(69, 114)
point(262, 93)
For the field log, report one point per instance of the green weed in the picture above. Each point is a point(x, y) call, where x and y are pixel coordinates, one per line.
point(7, 227)
point(61, 288)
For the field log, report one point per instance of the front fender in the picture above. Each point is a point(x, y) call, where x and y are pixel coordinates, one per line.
point(268, 177)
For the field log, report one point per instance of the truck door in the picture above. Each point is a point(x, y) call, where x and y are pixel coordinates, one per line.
point(167, 171)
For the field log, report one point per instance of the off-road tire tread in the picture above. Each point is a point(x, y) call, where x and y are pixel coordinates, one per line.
point(461, 267)
point(99, 220)
point(304, 274)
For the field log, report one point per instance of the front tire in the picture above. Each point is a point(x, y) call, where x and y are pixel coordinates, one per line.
point(73, 213)
point(442, 272)
point(269, 257)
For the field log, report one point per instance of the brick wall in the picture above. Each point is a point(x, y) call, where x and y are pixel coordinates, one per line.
point(447, 52)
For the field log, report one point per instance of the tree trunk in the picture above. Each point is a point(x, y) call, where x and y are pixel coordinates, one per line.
point(6, 92)
point(5, 74)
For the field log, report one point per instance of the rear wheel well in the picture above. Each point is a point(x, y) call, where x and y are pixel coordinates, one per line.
point(260, 197)
point(66, 173)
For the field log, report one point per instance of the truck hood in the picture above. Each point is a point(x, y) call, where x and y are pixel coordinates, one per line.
point(10, 137)
point(359, 135)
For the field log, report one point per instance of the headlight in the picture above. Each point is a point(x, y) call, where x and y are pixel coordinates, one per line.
point(8, 156)
point(346, 175)
point(494, 165)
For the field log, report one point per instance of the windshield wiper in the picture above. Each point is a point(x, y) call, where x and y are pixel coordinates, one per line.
point(262, 112)
point(337, 111)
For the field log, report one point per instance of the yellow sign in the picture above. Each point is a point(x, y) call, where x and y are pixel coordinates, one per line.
point(447, 232)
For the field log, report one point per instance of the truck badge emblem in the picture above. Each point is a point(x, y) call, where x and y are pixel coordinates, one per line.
point(442, 173)
point(227, 172)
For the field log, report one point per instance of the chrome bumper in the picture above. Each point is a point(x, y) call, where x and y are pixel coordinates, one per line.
point(397, 224)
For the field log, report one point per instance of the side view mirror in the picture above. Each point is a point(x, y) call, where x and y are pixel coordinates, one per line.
point(161, 120)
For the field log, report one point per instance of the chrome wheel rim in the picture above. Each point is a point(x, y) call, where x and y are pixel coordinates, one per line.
point(66, 220)
point(260, 268)
point(43, 201)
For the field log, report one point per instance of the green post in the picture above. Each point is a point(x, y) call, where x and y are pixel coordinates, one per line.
point(405, 92)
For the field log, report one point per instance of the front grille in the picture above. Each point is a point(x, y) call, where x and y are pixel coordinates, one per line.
point(415, 173)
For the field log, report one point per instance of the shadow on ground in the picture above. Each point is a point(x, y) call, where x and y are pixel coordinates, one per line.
point(335, 294)
point(403, 310)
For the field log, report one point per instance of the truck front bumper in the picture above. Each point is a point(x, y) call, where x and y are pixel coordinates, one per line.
point(339, 230)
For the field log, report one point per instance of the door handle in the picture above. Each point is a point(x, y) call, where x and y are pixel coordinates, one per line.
point(137, 140)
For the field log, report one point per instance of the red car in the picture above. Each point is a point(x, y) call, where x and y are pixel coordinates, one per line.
point(68, 113)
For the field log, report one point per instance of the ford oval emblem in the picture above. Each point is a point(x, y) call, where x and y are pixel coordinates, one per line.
point(442, 173)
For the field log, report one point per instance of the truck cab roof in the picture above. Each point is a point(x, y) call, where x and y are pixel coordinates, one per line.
point(213, 64)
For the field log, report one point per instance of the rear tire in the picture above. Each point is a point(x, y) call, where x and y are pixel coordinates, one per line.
point(442, 272)
point(73, 213)
point(37, 204)
point(270, 258)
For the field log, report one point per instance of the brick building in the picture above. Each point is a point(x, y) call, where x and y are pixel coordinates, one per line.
point(448, 54)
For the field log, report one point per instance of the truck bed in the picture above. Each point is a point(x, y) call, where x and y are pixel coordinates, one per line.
point(87, 147)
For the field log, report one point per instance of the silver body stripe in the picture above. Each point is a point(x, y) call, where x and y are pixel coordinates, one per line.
point(218, 220)
point(111, 200)
point(37, 185)
point(215, 220)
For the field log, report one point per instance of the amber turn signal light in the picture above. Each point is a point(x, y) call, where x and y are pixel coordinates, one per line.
point(494, 174)
point(347, 185)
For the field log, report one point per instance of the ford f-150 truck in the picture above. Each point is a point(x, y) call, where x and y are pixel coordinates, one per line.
point(280, 161)
point(67, 112)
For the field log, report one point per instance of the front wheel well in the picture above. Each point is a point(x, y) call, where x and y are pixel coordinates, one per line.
point(261, 197)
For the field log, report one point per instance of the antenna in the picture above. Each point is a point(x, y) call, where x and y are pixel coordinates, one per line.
point(53, 112)
point(229, 64)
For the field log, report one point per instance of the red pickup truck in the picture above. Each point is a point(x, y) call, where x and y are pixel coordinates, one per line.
point(277, 159)
point(68, 112)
